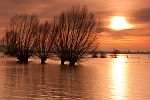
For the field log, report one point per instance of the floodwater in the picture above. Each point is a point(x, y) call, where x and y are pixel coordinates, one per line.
point(122, 78)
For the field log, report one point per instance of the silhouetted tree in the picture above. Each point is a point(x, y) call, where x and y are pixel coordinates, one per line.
point(9, 40)
point(46, 38)
point(78, 32)
point(115, 52)
point(95, 54)
point(102, 54)
point(21, 36)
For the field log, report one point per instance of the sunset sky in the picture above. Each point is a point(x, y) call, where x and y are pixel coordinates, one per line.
point(136, 12)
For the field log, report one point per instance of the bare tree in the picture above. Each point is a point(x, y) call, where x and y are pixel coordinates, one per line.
point(8, 41)
point(78, 32)
point(115, 52)
point(21, 36)
point(46, 38)
point(103, 54)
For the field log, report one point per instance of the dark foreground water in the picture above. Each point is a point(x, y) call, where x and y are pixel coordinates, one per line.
point(120, 78)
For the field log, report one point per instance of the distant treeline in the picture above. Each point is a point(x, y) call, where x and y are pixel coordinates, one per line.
point(121, 52)
point(69, 36)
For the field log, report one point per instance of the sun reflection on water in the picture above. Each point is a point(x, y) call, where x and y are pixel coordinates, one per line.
point(118, 78)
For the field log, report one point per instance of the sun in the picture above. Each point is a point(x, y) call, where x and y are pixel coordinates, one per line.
point(120, 23)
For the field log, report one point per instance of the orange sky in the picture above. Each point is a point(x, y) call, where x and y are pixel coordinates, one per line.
point(137, 12)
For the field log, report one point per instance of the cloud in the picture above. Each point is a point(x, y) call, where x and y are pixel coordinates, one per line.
point(142, 15)
point(44, 8)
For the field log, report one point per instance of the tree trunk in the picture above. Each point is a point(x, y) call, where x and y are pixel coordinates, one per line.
point(71, 63)
point(62, 62)
point(43, 60)
point(25, 60)
point(22, 59)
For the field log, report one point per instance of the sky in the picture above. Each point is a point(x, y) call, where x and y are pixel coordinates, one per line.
point(137, 12)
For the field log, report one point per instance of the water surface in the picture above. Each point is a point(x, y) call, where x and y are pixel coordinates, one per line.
point(119, 78)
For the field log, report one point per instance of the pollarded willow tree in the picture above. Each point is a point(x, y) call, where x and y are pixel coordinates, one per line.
point(46, 39)
point(20, 37)
point(78, 32)
point(9, 41)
